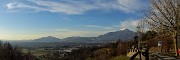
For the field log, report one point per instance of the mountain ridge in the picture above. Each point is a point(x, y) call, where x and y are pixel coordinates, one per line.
point(125, 34)
point(47, 39)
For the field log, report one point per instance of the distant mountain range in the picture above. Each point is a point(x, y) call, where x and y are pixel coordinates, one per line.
point(125, 35)
point(47, 39)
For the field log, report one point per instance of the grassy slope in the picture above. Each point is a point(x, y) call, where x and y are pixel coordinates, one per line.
point(121, 57)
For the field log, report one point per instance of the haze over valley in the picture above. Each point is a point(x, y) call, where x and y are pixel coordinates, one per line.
point(124, 35)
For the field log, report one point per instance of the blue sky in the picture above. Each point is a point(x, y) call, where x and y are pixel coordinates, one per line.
point(30, 19)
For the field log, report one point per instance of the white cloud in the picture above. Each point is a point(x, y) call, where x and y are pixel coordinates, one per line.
point(10, 5)
point(71, 7)
point(79, 6)
point(13, 6)
point(62, 30)
point(80, 33)
point(101, 27)
point(63, 33)
point(130, 5)
point(129, 24)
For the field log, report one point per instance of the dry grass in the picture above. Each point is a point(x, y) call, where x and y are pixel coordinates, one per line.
point(155, 49)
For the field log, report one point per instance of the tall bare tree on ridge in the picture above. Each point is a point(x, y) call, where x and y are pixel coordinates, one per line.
point(164, 17)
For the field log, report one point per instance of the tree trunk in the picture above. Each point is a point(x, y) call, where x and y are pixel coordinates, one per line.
point(175, 43)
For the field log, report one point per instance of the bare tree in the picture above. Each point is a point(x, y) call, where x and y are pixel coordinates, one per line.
point(164, 17)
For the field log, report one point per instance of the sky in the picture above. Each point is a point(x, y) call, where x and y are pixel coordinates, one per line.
point(30, 19)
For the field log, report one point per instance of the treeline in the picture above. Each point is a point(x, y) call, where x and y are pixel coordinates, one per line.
point(7, 52)
point(98, 53)
point(80, 54)
point(152, 38)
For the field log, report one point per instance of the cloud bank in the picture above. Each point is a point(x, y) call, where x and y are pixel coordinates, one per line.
point(129, 24)
point(77, 6)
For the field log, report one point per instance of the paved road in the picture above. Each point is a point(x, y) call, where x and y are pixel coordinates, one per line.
point(157, 56)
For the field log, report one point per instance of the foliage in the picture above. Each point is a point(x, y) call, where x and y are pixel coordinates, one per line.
point(80, 54)
point(7, 52)
point(99, 53)
point(149, 35)
point(167, 44)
